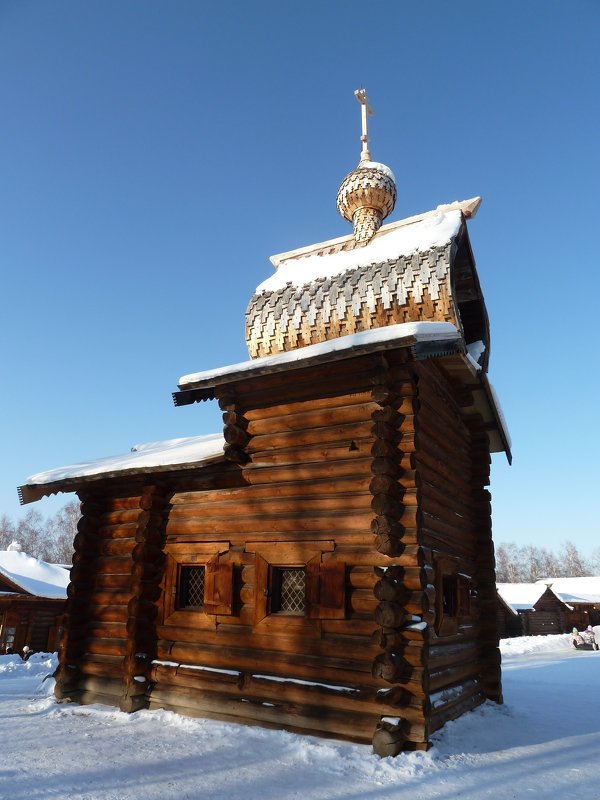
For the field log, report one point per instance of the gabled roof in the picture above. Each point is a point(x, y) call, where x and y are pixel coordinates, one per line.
point(520, 596)
point(154, 456)
point(418, 269)
point(25, 574)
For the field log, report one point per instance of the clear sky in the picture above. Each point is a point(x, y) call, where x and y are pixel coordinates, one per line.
point(154, 154)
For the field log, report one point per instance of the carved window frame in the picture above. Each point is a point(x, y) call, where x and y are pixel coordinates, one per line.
point(325, 595)
point(218, 583)
point(450, 579)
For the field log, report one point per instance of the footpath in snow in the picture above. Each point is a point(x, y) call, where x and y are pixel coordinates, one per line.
point(544, 742)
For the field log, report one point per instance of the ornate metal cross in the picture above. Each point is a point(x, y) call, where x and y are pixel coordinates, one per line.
point(366, 111)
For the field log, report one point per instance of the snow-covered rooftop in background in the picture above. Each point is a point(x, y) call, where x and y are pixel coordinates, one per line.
point(172, 452)
point(34, 576)
point(575, 590)
point(520, 596)
point(434, 230)
point(420, 331)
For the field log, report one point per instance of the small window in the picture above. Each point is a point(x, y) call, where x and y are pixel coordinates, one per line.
point(191, 587)
point(288, 590)
point(449, 595)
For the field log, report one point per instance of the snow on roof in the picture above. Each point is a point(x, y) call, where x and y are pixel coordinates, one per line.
point(520, 596)
point(435, 230)
point(419, 331)
point(575, 590)
point(172, 452)
point(34, 576)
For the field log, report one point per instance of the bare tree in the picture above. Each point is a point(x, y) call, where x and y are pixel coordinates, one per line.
point(50, 539)
point(574, 565)
point(7, 531)
point(529, 563)
point(61, 529)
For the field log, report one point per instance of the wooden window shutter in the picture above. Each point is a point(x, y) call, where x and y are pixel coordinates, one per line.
point(326, 590)
point(218, 588)
point(261, 588)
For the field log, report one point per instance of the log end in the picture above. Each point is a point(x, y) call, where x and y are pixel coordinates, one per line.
point(389, 739)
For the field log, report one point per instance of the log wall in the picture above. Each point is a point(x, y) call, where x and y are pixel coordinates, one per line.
point(315, 462)
point(452, 465)
point(365, 474)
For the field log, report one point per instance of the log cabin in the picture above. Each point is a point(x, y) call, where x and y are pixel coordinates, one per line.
point(33, 598)
point(325, 565)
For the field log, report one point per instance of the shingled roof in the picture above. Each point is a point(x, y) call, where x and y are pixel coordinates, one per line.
point(418, 269)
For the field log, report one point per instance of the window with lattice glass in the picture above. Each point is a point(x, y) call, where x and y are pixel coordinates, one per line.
point(288, 590)
point(191, 587)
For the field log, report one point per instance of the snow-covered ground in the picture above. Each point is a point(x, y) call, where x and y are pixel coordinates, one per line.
point(544, 742)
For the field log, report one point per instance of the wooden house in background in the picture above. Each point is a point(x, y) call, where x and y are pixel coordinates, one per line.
point(326, 565)
point(579, 600)
point(549, 606)
point(33, 597)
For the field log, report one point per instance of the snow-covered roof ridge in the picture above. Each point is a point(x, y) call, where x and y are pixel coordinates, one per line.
point(435, 230)
point(171, 453)
point(468, 208)
point(34, 576)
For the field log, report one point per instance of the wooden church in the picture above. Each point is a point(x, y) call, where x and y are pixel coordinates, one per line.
point(326, 564)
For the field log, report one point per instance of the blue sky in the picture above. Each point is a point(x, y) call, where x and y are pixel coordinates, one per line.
point(153, 155)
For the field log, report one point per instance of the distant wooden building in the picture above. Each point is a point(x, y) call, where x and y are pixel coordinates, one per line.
point(577, 602)
point(327, 565)
point(549, 606)
point(33, 597)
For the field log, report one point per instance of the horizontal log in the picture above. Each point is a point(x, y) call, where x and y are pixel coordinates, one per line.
point(343, 376)
point(273, 505)
point(296, 665)
point(106, 647)
point(108, 581)
point(114, 565)
point(293, 467)
point(352, 554)
point(322, 522)
point(116, 547)
point(361, 577)
point(343, 640)
point(442, 655)
point(114, 518)
point(101, 666)
point(288, 489)
point(307, 720)
point(111, 503)
point(335, 434)
point(264, 412)
point(313, 419)
point(464, 700)
point(361, 601)
point(448, 676)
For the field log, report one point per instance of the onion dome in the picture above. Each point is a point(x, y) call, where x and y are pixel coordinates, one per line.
point(368, 193)
point(366, 197)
